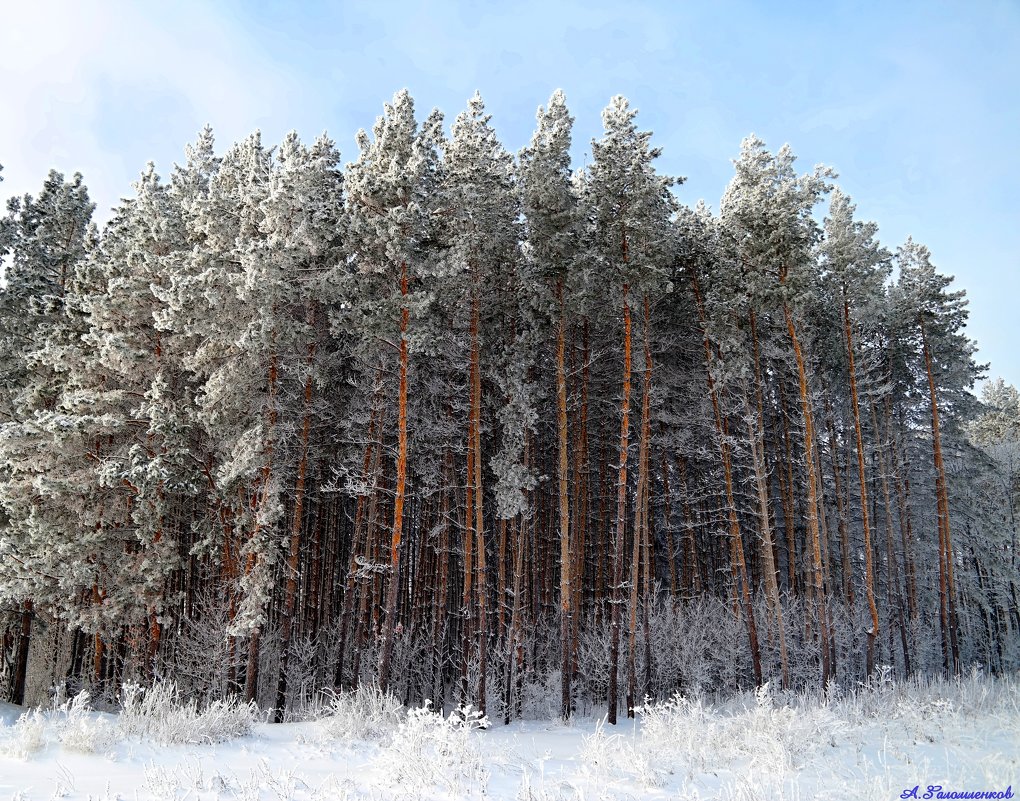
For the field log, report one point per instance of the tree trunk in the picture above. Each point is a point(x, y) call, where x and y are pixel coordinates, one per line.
point(869, 574)
point(640, 520)
point(621, 522)
point(737, 564)
point(581, 493)
point(757, 441)
point(648, 535)
point(566, 589)
point(947, 589)
point(479, 528)
point(390, 622)
point(297, 522)
point(17, 694)
point(467, 598)
point(812, 501)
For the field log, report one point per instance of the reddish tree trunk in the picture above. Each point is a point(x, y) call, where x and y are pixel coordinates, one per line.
point(818, 588)
point(390, 617)
point(621, 522)
point(566, 590)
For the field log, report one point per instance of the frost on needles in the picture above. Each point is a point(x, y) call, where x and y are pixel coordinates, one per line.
point(484, 428)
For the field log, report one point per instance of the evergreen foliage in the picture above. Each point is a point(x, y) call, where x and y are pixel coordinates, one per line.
point(487, 430)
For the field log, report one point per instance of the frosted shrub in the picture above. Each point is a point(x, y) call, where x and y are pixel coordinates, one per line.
point(609, 756)
point(676, 730)
point(713, 649)
point(925, 718)
point(540, 698)
point(678, 734)
point(140, 704)
point(430, 751)
point(158, 714)
point(593, 645)
point(601, 752)
point(683, 735)
point(305, 654)
point(82, 729)
point(366, 713)
point(25, 737)
point(202, 659)
point(779, 738)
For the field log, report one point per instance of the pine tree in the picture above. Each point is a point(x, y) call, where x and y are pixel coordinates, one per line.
point(224, 302)
point(481, 236)
point(550, 207)
point(628, 206)
point(946, 355)
point(858, 268)
point(390, 212)
point(46, 481)
point(302, 213)
point(127, 377)
point(767, 211)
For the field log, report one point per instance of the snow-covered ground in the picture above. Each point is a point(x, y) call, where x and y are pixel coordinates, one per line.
point(878, 743)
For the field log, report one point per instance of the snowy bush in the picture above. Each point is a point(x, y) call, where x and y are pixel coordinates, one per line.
point(540, 699)
point(592, 665)
point(431, 751)
point(603, 754)
point(366, 713)
point(307, 655)
point(73, 723)
point(203, 658)
point(683, 735)
point(25, 737)
point(160, 715)
point(697, 646)
point(83, 730)
point(156, 715)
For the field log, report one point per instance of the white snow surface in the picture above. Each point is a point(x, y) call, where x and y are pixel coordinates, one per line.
point(875, 743)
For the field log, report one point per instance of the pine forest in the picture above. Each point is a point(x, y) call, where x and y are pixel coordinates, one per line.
point(476, 426)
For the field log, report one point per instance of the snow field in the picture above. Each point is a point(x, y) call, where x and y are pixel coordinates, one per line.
point(873, 743)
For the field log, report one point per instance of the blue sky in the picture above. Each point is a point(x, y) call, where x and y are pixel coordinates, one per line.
point(916, 104)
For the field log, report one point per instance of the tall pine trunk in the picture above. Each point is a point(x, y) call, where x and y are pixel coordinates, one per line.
point(479, 528)
point(621, 521)
point(738, 568)
point(756, 423)
point(869, 574)
point(640, 537)
point(566, 589)
point(297, 522)
point(390, 618)
point(947, 589)
point(817, 584)
point(20, 672)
